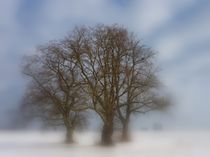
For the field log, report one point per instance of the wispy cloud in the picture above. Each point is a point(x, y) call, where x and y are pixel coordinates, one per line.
point(179, 30)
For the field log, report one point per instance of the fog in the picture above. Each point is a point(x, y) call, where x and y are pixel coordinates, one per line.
point(145, 144)
point(177, 30)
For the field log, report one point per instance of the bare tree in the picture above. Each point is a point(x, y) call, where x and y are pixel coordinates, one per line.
point(54, 92)
point(119, 72)
point(140, 92)
point(103, 68)
point(99, 52)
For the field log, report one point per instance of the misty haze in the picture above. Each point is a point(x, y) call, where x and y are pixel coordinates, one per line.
point(105, 78)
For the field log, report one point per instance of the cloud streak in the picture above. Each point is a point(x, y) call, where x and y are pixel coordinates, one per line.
point(179, 30)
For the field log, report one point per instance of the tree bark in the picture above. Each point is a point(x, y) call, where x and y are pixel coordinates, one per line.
point(69, 135)
point(107, 132)
point(125, 131)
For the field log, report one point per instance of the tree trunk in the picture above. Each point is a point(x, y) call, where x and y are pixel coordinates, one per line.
point(107, 132)
point(125, 131)
point(69, 135)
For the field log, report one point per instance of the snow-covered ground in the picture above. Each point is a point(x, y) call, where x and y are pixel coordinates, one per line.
point(144, 144)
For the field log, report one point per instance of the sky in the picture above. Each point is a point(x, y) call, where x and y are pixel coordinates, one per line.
point(178, 30)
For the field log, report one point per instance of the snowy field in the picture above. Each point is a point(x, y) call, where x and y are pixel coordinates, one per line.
point(144, 144)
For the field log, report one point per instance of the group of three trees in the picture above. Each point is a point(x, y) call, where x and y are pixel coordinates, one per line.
point(104, 68)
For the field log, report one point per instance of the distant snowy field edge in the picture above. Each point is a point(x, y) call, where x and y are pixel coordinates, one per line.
point(143, 144)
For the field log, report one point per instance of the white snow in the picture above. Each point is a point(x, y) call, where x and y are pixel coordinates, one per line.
point(144, 144)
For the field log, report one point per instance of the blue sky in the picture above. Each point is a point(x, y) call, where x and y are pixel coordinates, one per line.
point(178, 30)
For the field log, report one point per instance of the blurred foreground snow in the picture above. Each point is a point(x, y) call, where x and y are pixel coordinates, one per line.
point(144, 144)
